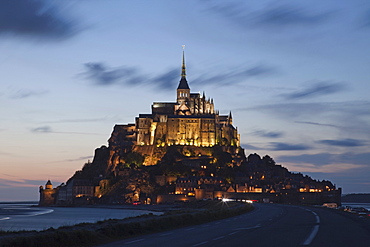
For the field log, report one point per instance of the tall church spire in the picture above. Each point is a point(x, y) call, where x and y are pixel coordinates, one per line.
point(183, 68)
point(183, 82)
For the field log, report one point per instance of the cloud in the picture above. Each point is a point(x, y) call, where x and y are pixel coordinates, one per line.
point(42, 129)
point(299, 110)
point(26, 93)
point(330, 168)
point(15, 182)
point(319, 88)
point(273, 16)
point(289, 110)
point(78, 120)
point(318, 124)
point(234, 75)
point(167, 79)
point(268, 134)
point(353, 116)
point(48, 130)
point(250, 147)
point(343, 142)
point(288, 15)
point(81, 158)
point(366, 19)
point(280, 146)
point(108, 76)
point(9, 154)
point(75, 159)
point(321, 159)
point(34, 18)
point(103, 75)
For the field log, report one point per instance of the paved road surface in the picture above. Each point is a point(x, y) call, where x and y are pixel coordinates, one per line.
point(268, 225)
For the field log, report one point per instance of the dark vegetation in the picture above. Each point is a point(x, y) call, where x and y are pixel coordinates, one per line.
point(87, 234)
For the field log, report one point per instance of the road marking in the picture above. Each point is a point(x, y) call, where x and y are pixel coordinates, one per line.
point(315, 229)
point(312, 235)
point(134, 241)
point(218, 238)
point(248, 228)
point(200, 243)
point(166, 234)
point(233, 233)
point(6, 218)
point(189, 229)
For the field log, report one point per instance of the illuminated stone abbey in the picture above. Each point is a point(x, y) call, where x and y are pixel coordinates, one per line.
point(191, 120)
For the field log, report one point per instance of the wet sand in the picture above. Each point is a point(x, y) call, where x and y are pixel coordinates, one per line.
point(26, 217)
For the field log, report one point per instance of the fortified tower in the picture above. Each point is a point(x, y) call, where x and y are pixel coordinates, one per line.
point(47, 195)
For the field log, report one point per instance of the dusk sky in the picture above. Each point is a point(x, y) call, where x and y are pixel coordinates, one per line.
point(294, 74)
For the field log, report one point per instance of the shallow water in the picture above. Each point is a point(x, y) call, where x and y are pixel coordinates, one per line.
point(16, 217)
point(357, 205)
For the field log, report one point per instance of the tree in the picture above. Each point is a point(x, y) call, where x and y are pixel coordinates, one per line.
point(135, 159)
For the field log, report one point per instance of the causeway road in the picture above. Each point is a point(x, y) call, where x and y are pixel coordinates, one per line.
point(268, 225)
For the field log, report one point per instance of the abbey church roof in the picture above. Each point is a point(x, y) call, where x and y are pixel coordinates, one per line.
point(183, 84)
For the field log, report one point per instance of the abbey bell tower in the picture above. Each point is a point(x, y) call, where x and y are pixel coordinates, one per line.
point(183, 90)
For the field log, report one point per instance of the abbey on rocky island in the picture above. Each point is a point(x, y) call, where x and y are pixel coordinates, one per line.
point(182, 151)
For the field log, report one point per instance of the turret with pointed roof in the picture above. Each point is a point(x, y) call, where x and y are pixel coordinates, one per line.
point(230, 118)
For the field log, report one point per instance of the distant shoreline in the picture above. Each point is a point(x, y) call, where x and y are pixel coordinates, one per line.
point(19, 202)
point(356, 198)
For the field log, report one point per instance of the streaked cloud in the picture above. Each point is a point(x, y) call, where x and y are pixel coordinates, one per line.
point(275, 16)
point(295, 110)
point(77, 120)
point(235, 75)
point(247, 146)
point(268, 134)
point(35, 19)
point(49, 130)
point(27, 93)
point(167, 79)
point(365, 19)
point(318, 124)
point(281, 146)
point(82, 158)
point(18, 182)
point(317, 89)
point(329, 168)
point(42, 129)
point(343, 142)
point(290, 15)
point(10, 154)
point(328, 158)
point(103, 75)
